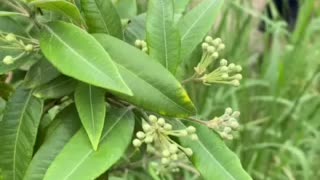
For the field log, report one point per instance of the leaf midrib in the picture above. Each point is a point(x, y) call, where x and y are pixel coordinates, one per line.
point(102, 138)
point(101, 16)
point(164, 34)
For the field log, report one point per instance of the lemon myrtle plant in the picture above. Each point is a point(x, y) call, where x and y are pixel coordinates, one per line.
point(98, 89)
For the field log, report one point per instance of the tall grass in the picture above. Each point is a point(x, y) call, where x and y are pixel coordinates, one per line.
point(280, 95)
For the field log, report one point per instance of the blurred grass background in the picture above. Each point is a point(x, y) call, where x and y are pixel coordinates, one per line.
point(279, 98)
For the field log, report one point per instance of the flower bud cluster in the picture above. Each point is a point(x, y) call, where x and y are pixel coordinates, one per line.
point(157, 134)
point(226, 124)
point(141, 44)
point(224, 74)
point(14, 43)
point(211, 48)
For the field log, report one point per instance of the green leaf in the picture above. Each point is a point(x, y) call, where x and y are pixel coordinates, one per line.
point(82, 58)
point(154, 87)
point(40, 73)
point(212, 157)
point(18, 131)
point(79, 161)
point(136, 29)
point(5, 90)
point(59, 87)
point(8, 13)
point(126, 8)
point(180, 5)
point(92, 110)
point(102, 17)
point(64, 7)
point(66, 124)
point(196, 24)
point(162, 38)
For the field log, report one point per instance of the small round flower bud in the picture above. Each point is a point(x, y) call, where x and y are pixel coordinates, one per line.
point(227, 130)
point(161, 121)
point(167, 126)
point(228, 111)
point(153, 118)
point(225, 75)
point(137, 43)
point(141, 135)
point(238, 68)
point(221, 47)
point(231, 66)
point(174, 157)
point(216, 41)
point(165, 153)
point(136, 143)
point(145, 49)
point(194, 137)
point(224, 68)
point(148, 139)
point(223, 62)
point(208, 39)
point(204, 46)
point(28, 47)
point(143, 44)
point(238, 76)
point(10, 37)
point(146, 127)
point(8, 60)
point(236, 114)
point(235, 82)
point(211, 49)
point(215, 55)
point(173, 148)
point(234, 124)
point(224, 135)
point(191, 129)
point(188, 151)
point(165, 161)
point(229, 137)
point(183, 132)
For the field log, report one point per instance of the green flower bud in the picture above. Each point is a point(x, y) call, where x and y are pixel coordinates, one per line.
point(235, 83)
point(236, 114)
point(10, 37)
point(174, 157)
point(165, 153)
point(146, 127)
point(228, 111)
point(167, 126)
point(191, 129)
point(8, 60)
point(183, 132)
point(153, 118)
point(194, 137)
point(173, 148)
point(208, 39)
point(141, 135)
point(165, 161)
point(136, 143)
point(188, 151)
point(223, 62)
point(211, 49)
point(28, 47)
point(227, 130)
point(149, 139)
point(161, 121)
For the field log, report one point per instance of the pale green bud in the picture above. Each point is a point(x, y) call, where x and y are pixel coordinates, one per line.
point(215, 55)
point(174, 157)
point(148, 139)
point(165, 153)
point(234, 124)
point(191, 129)
point(238, 76)
point(173, 148)
point(221, 47)
point(225, 75)
point(161, 121)
point(136, 143)
point(227, 130)
point(8, 60)
point(153, 118)
point(228, 111)
point(194, 137)
point(165, 161)
point(10, 37)
point(188, 151)
point(231, 66)
point(238, 68)
point(141, 135)
point(224, 68)
point(146, 127)
point(183, 132)
point(145, 49)
point(28, 47)
point(167, 126)
point(204, 46)
point(223, 62)
point(138, 43)
point(211, 49)
point(216, 41)
point(236, 114)
point(235, 83)
point(208, 39)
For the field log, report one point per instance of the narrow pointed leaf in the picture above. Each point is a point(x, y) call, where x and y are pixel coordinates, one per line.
point(67, 123)
point(102, 17)
point(77, 54)
point(196, 24)
point(79, 161)
point(92, 110)
point(162, 38)
point(40, 73)
point(18, 131)
point(212, 158)
point(64, 7)
point(57, 88)
point(154, 88)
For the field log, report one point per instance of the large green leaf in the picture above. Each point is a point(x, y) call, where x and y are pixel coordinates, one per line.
point(154, 88)
point(126, 8)
point(66, 124)
point(212, 157)
point(196, 24)
point(102, 17)
point(162, 38)
point(64, 7)
point(77, 54)
point(92, 110)
point(40, 73)
point(180, 5)
point(59, 87)
point(136, 29)
point(18, 131)
point(79, 161)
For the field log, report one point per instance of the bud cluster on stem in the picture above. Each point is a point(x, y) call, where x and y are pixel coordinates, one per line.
point(141, 44)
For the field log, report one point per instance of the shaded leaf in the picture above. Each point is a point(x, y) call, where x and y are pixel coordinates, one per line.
point(92, 110)
point(154, 88)
point(162, 38)
point(196, 24)
point(212, 157)
point(18, 131)
point(66, 124)
point(136, 29)
point(61, 6)
point(102, 17)
point(59, 87)
point(40, 73)
point(126, 8)
point(82, 57)
point(77, 159)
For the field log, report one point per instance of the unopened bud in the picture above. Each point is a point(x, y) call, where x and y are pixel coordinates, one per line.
point(167, 126)
point(235, 82)
point(146, 127)
point(165, 161)
point(188, 151)
point(211, 49)
point(10, 37)
point(238, 76)
point(228, 111)
point(148, 139)
point(174, 157)
point(165, 153)
point(223, 62)
point(204, 46)
point(194, 137)
point(28, 47)
point(173, 148)
point(221, 47)
point(153, 118)
point(161, 121)
point(141, 135)
point(191, 129)
point(208, 39)
point(236, 114)
point(8, 60)
point(136, 143)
